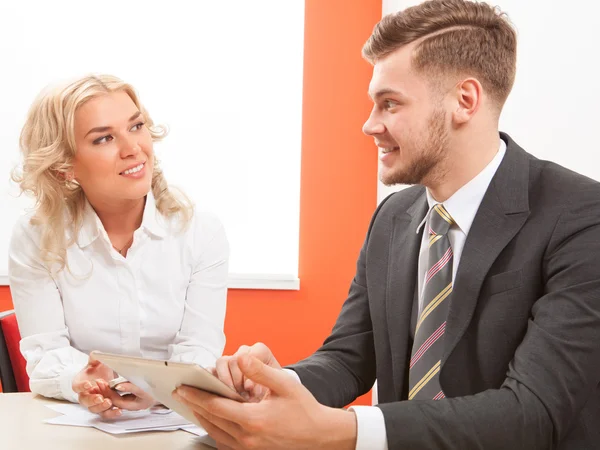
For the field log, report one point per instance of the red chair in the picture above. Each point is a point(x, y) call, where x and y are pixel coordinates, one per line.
point(12, 364)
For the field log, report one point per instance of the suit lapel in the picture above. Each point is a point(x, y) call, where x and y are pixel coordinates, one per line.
point(401, 284)
point(503, 211)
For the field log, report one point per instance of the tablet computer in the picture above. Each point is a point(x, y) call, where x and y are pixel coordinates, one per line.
point(160, 378)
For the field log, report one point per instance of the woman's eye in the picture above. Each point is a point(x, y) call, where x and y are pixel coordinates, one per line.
point(103, 139)
point(137, 126)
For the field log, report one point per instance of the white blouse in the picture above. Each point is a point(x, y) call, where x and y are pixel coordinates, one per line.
point(166, 300)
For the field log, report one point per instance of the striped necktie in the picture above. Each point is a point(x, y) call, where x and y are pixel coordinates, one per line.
point(428, 345)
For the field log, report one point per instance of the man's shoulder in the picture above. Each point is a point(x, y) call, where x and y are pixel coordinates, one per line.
point(561, 186)
point(400, 201)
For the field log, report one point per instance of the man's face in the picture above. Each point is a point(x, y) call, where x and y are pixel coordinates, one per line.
point(408, 122)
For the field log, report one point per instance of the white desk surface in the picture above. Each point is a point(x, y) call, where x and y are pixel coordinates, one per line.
point(21, 428)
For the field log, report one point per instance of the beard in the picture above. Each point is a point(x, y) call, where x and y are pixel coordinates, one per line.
point(428, 150)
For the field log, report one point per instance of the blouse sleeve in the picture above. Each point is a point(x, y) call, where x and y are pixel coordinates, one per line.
point(51, 360)
point(201, 338)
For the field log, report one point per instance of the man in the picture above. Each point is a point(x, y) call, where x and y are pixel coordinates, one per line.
point(476, 300)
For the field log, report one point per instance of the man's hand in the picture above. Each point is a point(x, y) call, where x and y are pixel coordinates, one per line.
point(228, 371)
point(288, 418)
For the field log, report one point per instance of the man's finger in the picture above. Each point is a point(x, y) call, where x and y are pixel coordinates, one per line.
point(249, 385)
point(224, 408)
point(231, 428)
point(275, 379)
point(244, 349)
point(221, 446)
point(264, 354)
point(222, 439)
point(236, 375)
point(223, 373)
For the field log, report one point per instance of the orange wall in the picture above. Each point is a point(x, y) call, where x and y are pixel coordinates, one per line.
point(338, 188)
point(5, 300)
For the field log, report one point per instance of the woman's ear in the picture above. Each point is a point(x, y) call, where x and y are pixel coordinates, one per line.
point(65, 176)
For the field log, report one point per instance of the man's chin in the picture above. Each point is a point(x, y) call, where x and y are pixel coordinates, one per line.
point(392, 179)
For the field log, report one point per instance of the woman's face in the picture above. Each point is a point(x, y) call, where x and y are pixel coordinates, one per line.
point(114, 157)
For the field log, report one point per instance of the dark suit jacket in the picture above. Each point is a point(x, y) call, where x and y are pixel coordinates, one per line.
point(521, 365)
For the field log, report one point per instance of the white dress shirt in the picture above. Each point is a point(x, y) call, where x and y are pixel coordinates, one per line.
point(462, 206)
point(165, 300)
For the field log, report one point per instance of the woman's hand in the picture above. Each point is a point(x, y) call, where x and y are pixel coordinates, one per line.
point(90, 385)
point(135, 399)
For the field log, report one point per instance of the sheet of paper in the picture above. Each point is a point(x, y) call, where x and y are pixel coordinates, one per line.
point(66, 420)
point(129, 422)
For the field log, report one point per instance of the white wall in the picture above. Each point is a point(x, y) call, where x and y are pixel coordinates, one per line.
point(226, 76)
point(554, 109)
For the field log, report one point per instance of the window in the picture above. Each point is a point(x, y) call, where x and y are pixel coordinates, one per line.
point(225, 77)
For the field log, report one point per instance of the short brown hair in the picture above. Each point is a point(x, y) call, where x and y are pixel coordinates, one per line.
point(457, 37)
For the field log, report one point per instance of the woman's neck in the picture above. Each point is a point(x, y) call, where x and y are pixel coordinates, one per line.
point(122, 217)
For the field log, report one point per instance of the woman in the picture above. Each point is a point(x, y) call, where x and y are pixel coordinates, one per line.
point(111, 258)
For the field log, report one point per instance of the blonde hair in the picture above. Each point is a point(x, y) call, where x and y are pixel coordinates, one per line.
point(457, 37)
point(47, 144)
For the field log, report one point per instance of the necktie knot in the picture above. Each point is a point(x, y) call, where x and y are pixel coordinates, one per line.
point(440, 220)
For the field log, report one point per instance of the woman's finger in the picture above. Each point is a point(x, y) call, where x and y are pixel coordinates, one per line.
point(90, 399)
point(130, 387)
point(111, 413)
point(80, 386)
point(99, 408)
point(107, 392)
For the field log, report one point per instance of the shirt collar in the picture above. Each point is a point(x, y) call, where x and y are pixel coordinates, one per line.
point(153, 221)
point(464, 203)
point(92, 227)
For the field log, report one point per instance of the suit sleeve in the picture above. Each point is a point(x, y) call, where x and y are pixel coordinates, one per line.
point(344, 367)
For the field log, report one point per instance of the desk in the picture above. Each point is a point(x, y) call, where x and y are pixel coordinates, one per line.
point(21, 428)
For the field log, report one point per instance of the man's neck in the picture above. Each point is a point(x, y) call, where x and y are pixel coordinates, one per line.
point(465, 161)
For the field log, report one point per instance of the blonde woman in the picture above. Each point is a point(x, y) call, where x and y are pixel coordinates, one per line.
point(111, 258)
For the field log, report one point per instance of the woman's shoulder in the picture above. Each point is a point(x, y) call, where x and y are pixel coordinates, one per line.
point(205, 231)
point(206, 222)
point(26, 229)
point(29, 227)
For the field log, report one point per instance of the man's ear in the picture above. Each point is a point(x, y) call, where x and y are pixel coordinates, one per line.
point(469, 94)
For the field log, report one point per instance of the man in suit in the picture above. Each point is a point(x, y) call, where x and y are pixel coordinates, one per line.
point(476, 300)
